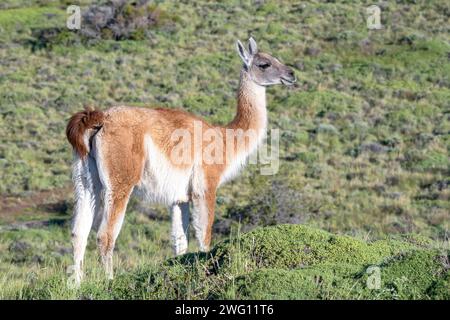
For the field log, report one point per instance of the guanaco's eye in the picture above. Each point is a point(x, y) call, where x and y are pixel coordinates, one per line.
point(264, 65)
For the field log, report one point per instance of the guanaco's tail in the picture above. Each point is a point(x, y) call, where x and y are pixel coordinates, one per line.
point(79, 125)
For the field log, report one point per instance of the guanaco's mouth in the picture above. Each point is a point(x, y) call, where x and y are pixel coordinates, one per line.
point(287, 82)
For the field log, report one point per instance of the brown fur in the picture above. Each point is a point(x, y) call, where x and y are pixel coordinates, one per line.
point(78, 124)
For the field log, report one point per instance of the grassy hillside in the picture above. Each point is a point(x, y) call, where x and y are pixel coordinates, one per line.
point(364, 148)
point(281, 262)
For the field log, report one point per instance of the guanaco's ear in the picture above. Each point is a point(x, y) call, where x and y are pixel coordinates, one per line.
point(252, 46)
point(245, 56)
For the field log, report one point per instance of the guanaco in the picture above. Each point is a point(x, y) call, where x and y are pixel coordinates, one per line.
point(123, 148)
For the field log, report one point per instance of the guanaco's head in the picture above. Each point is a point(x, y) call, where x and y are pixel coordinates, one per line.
point(262, 68)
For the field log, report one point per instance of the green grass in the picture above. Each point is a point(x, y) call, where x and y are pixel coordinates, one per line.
point(364, 148)
point(282, 262)
point(33, 254)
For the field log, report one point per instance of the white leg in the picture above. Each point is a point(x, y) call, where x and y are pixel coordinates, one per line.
point(83, 215)
point(80, 233)
point(180, 224)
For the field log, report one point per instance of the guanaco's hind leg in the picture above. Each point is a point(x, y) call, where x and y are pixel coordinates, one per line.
point(121, 155)
point(87, 204)
point(113, 215)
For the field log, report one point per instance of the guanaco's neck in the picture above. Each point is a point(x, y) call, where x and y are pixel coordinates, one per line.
point(251, 107)
point(251, 118)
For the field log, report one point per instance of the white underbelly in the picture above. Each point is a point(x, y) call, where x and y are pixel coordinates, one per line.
point(161, 182)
